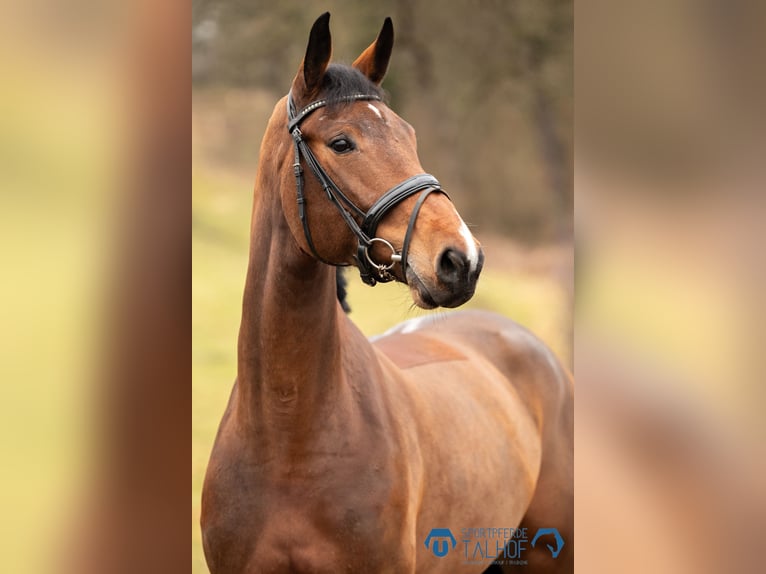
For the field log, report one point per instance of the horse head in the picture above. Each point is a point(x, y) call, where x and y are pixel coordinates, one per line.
point(363, 196)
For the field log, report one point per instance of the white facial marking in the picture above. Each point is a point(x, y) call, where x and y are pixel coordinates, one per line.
point(470, 244)
point(376, 110)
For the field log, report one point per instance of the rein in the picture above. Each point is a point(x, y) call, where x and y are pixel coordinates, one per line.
point(370, 271)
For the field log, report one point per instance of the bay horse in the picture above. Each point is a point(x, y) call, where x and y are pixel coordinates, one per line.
point(338, 454)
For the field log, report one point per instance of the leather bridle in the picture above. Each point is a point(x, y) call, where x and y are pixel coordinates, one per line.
point(370, 271)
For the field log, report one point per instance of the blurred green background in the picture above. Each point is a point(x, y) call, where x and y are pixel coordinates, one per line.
point(488, 88)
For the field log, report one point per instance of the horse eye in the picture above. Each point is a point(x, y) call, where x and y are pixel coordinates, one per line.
point(341, 145)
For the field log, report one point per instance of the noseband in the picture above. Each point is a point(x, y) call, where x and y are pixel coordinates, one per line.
point(370, 271)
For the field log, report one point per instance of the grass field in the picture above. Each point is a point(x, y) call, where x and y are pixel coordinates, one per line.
point(520, 283)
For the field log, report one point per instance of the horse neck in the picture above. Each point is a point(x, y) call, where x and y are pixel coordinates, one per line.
point(289, 364)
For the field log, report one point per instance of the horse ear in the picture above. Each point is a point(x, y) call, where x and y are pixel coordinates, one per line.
point(317, 57)
point(373, 62)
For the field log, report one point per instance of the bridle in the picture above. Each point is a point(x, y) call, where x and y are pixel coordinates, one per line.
point(370, 271)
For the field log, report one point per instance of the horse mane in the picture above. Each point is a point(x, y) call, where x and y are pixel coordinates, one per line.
point(341, 80)
point(340, 284)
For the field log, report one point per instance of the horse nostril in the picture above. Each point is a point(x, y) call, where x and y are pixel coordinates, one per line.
point(451, 266)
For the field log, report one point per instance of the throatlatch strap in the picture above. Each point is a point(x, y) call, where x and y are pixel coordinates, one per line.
point(302, 213)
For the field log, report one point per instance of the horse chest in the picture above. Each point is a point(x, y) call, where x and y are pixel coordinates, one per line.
point(334, 518)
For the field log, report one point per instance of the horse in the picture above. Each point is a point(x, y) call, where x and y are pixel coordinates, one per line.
point(341, 454)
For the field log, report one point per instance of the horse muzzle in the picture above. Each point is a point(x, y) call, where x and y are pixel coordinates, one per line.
point(453, 281)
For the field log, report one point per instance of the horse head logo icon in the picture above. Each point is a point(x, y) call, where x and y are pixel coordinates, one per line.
point(559, 540)
point(441, 537)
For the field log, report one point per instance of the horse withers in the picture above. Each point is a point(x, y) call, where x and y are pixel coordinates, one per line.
point(338, 454)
